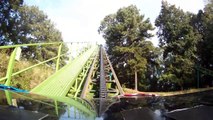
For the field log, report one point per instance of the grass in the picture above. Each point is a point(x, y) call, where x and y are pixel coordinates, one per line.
point(127, 90)
point(3, 64)
point(28, 79)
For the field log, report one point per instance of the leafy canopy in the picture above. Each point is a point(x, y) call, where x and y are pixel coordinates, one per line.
point(179, 41)
point(22, 24)
point(8, 19)
point(126, 33)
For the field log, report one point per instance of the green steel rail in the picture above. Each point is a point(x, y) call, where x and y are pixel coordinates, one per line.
point(59, 83)
point(28, 68)
point(65, 85)
point(56, 86)
point(33, 44)
point(12, 59)
point(90, 74)
point(10, 74)
point(201, 70)
point(76, 87)
point(36, 44)
point(204, 70)
point(81, 104)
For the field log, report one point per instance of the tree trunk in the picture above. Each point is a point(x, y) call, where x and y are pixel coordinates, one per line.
point(181, 86)
point(136, 80)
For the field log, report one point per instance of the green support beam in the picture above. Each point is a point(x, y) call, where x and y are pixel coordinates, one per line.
point(66, 83)
point(56, 69)
point(58, 58)
point(86, 88)
point(59, 83)
point(28, 68)
point(9, 75)
point(10, 67)
point(33, 44)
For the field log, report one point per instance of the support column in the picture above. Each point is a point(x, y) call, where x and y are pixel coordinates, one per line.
point(56, 69)
point(9, 75)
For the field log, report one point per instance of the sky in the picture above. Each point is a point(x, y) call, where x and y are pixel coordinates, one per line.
point(78, 20)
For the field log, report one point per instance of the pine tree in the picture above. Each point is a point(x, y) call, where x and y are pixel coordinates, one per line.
point(126, 33)
point(179, 41)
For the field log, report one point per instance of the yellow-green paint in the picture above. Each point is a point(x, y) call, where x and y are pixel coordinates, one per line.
point(56, 107)
point(10, 67)
point(58, 59)
point(8, 97)
point(9, 75)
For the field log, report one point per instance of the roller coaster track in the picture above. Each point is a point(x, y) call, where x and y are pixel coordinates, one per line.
point(84, 81)
point(88, 82)
point(204, 70)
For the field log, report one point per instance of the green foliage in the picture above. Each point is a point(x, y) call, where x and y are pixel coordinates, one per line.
point(179, 40)
point(202, 22)
point(3, 64)
point(185, 42)
point(28, 79)
point(35, 27)
point(22, 24)
point(8, 17)
point(125, 33)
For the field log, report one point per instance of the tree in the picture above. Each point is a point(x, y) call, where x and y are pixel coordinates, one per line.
point(202, 22)
point(154, 69)
point(125, 33)
point(8, 17)
point(35, 27)
point(179, 41)
point(207, 42)
point(22, 24)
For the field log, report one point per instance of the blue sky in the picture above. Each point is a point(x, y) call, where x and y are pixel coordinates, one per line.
point(78, 20)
